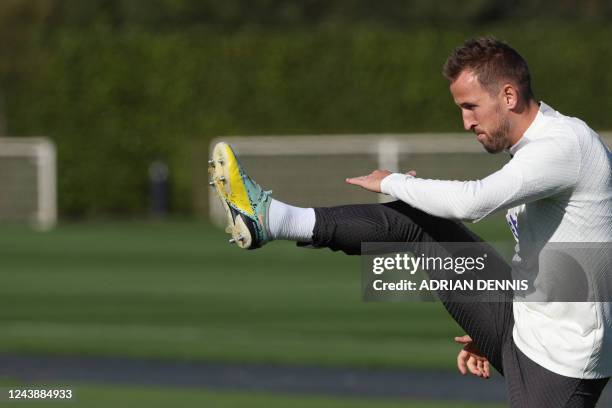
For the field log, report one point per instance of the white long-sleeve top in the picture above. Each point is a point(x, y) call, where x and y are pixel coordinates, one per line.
point(557, 188)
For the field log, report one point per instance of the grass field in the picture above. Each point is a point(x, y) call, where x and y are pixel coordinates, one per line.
point(177, 290)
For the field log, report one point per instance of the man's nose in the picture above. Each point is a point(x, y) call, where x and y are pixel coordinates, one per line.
point(468, 121)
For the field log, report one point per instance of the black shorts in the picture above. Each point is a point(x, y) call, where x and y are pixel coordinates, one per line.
point(488, 322)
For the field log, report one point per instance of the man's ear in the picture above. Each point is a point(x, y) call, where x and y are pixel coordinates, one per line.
point(510, 96)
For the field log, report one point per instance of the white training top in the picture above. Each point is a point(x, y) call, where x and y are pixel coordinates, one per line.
point(557, 188)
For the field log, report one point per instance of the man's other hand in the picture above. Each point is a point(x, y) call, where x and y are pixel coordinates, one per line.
point(470, 358)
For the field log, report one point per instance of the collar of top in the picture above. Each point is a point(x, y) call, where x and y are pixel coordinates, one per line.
point(532, 130)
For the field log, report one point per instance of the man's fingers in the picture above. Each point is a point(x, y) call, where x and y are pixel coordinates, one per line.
point(479, 366)
point(486, 369)
point(370, 182)
point(475, 363)
point(463, 339)
point(464, 357)
point(461, 357)
point(359, 180)
point(356, 180)
point(471, 364)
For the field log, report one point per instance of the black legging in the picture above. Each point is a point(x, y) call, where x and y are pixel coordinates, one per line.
point(344, 228)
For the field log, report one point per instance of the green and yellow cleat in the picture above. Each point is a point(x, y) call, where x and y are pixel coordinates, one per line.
point(245, 203)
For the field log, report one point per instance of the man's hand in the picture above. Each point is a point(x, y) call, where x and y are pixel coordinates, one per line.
point(372, 181)
point(471, 359)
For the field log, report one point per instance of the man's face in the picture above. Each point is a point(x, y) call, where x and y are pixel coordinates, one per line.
point(482, 113)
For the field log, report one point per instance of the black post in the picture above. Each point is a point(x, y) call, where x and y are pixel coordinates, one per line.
point(158, 189)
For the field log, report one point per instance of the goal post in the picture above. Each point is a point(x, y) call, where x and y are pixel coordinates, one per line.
point(28, 181)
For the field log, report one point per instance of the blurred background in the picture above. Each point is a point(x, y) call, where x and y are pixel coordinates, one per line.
point(123, 99)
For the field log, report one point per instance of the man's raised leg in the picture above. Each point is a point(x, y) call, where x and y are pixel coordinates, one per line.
point(254, 219)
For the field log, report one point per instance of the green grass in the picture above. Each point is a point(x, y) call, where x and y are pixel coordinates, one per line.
point(177, 290)
point(134, 397)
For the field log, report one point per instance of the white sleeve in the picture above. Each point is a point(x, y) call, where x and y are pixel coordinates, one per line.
point(541, 168)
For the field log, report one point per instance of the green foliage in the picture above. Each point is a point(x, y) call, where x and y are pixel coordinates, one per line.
point(234, 15)
point(114, 100)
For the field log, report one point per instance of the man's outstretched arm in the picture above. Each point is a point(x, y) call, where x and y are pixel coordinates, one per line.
point(542, 168)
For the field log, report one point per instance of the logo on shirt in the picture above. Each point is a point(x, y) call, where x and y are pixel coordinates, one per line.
point(513, 224)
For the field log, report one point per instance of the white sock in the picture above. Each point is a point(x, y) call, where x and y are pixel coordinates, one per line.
point(290, 223)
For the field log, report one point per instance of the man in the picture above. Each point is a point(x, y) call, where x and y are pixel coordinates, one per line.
point(557, 187)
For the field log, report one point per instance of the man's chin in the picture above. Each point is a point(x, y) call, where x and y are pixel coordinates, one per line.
point(491, 144)
point(492, 149)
